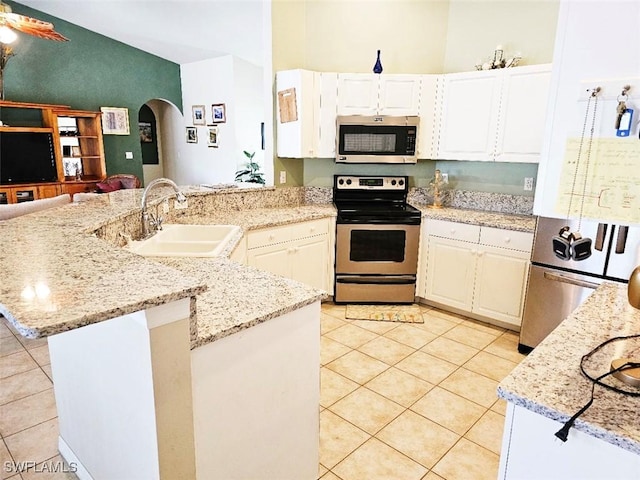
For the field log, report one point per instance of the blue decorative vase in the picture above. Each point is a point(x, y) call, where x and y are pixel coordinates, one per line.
point(377, 68)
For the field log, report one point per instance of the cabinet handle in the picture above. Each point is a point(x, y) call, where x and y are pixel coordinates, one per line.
point(272, 236)
point(453, 231)
point(480, 253)
point(507, 239)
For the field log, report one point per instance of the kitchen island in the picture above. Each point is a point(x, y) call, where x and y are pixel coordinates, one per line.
point(172, 368)
point(547, 388)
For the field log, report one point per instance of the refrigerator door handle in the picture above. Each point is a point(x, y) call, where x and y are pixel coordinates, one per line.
point(621, 241)
point(602, 232)
point(558, 277)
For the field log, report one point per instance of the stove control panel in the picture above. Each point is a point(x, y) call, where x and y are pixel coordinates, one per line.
point(353, 182)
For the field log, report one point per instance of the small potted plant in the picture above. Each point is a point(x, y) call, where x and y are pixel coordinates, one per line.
point(250, 173)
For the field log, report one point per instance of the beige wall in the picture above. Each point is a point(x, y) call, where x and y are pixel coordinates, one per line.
point(343, 36)
point(477, 26)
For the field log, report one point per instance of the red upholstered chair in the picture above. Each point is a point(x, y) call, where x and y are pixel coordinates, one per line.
point(118, 182)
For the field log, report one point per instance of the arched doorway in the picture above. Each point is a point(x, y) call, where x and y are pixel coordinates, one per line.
point(160, 123)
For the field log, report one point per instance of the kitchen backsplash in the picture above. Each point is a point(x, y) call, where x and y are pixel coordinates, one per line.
point(485, 201)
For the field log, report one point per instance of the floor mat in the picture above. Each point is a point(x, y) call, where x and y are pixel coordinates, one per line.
point(385, 313)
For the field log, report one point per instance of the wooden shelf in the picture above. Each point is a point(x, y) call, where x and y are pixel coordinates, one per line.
point(87, 138)
point(37, 106)
point(8, 128)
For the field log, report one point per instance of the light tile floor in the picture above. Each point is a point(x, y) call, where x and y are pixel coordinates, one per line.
point(398, 401)
point(411, 401)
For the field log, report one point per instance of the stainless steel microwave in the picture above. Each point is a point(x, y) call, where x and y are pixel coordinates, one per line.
point(376, 139)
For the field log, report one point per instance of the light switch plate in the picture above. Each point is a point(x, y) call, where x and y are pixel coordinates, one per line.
point(128, 155)
point(180, 206)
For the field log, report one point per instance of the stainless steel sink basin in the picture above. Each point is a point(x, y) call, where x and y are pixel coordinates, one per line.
point(176, 240)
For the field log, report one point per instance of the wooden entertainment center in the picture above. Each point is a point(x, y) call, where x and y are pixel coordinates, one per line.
point(78, 149)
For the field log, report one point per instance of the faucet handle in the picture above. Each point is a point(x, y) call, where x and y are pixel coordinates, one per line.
point(156, 222)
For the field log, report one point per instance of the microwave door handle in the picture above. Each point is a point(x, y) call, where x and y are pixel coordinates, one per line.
point(602, 232)
point(621, 241)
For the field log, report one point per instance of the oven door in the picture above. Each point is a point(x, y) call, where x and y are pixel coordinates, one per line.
point(372, 249)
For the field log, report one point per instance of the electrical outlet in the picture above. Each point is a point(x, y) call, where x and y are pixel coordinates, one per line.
point(283, 176)
point(528, 184)
point(445, 177)
point(165, 206)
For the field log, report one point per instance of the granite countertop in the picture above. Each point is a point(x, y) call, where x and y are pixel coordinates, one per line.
point(63, 277)
point(550, 383)
point(58, 285)
point(507, 221)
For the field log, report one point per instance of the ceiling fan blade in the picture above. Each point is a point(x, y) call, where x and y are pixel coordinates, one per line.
point(34, 27)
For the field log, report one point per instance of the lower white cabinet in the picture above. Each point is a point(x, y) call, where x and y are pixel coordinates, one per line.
point(300, 251)
point(477, 270)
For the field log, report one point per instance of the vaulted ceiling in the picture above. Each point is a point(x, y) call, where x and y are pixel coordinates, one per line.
point(182, 31)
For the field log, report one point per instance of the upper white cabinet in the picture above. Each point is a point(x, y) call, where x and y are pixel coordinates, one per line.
point(523, 109)
point(469, 116)
point(495, 115)
point(429, 113)
point(371, 94)
point(358, 94)
point(306, 114)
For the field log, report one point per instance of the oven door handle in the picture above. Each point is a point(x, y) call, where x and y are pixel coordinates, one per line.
point(557, 277)
point(370, 279)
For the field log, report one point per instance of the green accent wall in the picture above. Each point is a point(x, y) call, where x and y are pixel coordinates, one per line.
point(88, 72)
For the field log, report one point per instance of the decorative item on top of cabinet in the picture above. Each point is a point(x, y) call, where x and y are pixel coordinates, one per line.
point(377, 68)
point(499, 61)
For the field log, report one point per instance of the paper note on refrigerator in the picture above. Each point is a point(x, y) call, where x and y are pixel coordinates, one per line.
point(604, 183)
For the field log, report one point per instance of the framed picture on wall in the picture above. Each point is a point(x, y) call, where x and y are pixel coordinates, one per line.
point(218, 113)
point(115, 121)
point(192, 135)
point(212, 141)
point(146, 136)
point(198, 115)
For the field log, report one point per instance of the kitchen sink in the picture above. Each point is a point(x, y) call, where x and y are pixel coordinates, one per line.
point(175, 240)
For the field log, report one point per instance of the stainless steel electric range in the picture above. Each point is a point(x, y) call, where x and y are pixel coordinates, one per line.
point(377, 237)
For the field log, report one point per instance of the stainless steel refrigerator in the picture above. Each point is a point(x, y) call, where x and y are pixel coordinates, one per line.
point(557, 286)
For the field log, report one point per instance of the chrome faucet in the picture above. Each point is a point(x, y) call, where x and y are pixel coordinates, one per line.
point(151, 224)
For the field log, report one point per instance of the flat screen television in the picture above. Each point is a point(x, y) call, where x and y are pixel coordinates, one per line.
point(27, 157)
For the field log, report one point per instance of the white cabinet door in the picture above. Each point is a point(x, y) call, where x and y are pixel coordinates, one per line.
point(470, 108)
point(450, 272)
point(295, 139)
point(501, 277)
point(523, 109)
point(429, 112)
point(399, 95)
point(325, 121)
point(310, 262)
point(358, 93)
point(274, 259)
